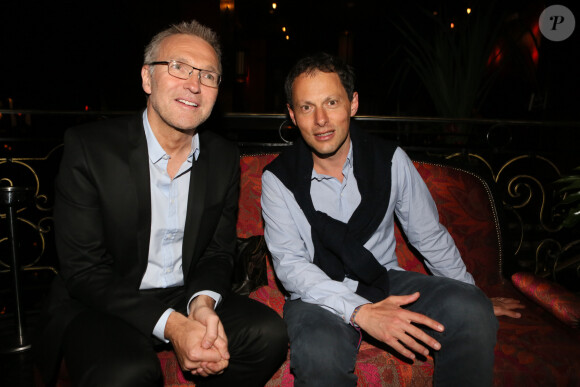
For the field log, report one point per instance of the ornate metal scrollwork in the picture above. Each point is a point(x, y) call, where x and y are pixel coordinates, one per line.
point(34, 221)
point(524, 183)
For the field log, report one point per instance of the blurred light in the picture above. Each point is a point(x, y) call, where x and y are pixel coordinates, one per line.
point(287, 37)
point(468, 11)
point(274, 5)
point(535, 56)
point(240, 63)
point(283, 29)
point(435, 13)
point(86, 108)
point(495, 57)
point(532, 41)
point(227, 5)
point(452, 25)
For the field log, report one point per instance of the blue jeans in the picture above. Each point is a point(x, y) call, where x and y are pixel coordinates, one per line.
point(323, 347)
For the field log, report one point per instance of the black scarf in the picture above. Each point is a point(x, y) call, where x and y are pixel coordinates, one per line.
point(338, 246)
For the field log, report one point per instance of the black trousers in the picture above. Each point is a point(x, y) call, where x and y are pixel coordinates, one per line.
point(102, 350)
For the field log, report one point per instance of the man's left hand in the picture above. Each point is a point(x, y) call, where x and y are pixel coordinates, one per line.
point(201, 310)
point(506, 307)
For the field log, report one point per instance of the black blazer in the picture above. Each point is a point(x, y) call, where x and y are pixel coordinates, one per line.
point(102, 219)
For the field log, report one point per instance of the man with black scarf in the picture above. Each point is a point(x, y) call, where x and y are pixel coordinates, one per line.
point(329, 204)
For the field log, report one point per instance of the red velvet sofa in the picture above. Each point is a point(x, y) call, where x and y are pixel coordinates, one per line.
point(540, 349)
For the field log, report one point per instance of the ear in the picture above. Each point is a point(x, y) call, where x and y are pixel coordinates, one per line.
point(291, 112)
point(354, 104)
point(146, 79)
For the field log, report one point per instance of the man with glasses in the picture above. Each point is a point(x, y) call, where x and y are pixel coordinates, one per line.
point(145, 220)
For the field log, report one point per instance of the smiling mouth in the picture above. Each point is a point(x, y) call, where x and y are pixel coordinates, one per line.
point(324, 134)
point(188, 103)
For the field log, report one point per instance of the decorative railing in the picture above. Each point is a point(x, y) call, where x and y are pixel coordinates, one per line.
point(35, 219)
point(520, 160)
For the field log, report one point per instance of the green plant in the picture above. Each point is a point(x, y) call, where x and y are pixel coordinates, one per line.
point(567, 208)
point(452, 63)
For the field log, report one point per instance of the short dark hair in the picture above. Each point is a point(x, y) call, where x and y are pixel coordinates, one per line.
point(321, 62)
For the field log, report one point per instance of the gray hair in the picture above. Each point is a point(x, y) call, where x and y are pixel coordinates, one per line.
point(192, 28)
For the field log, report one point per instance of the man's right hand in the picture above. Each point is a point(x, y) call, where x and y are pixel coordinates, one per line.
point(186, 336)
point(388, 322)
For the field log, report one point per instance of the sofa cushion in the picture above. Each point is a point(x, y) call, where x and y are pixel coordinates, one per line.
point(562, 303)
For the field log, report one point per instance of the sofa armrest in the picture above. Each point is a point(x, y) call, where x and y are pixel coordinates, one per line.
point(563, 304)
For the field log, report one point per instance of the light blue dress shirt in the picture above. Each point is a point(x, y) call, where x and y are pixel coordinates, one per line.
point(168, 213)
point(289, 239)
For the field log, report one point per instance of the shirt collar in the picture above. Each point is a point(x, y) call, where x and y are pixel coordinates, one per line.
point(155, 150)
point(347, 165)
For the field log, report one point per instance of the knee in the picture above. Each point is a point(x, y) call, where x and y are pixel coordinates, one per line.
point(273, 333)
point(323, 350)
point(263, 337)
point(321, 357)
point(471, 312)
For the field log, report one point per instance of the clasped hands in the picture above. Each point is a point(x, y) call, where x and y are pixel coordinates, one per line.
point(199, 340)
point(388, 322)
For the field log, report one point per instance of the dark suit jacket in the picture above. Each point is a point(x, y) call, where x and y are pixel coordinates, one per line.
point(102, 225)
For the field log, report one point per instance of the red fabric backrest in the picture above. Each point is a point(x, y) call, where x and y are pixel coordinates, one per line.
point(465, 206)
point(250, 214)
point(467, 209)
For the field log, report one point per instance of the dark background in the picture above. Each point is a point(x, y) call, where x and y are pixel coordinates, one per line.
point(78, 55)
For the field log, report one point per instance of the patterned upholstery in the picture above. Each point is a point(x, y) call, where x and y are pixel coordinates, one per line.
point(250, 214)
point(536, 350)
point(550, 296)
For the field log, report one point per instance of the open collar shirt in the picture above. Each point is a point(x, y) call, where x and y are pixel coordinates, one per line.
point(168, 212)
point(288, 233)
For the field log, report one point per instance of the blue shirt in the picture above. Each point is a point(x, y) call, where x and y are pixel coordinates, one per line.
point(168, 213)
point(288, 236)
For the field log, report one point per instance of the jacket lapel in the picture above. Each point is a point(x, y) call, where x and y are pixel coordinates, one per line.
point(139, 167)
point(195, 204)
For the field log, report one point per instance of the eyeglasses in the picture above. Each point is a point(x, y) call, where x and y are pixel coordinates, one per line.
point(183, 71)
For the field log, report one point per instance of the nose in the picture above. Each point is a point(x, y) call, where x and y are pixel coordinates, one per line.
point(321, 117)
point(192, 83)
